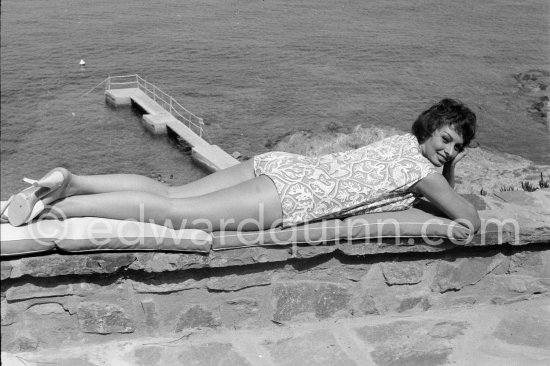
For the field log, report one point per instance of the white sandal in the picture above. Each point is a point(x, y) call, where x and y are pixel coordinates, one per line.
point(27, 204)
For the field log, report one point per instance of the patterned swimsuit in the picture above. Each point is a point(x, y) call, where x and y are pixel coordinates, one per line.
point(373, 178)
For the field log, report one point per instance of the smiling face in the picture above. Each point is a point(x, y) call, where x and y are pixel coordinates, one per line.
point(442, 146)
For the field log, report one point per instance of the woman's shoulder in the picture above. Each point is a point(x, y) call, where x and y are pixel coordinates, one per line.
point(409, 149)
point(402, 138)
point(405, 141)
point(396, 147)
point(387, 145)
point(406, 138)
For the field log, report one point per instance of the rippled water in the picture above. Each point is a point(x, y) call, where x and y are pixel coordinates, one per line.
point(254, 70)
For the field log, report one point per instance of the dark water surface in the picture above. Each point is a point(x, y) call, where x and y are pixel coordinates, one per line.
point(254, 70)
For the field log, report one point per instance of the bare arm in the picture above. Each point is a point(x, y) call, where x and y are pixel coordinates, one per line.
point(437, 190)
point(449, 174)
point(449, 168)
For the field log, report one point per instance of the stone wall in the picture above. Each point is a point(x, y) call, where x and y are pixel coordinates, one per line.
point(66, 299)
point(59, 299)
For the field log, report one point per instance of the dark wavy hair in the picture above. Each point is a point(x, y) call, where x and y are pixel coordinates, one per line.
point(447, 112)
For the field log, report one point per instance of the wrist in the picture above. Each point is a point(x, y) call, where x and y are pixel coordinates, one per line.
point(448, 166)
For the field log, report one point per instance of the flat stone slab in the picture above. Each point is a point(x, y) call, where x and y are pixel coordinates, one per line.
point(512, 334)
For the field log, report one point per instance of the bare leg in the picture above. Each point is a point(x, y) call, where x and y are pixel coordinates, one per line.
point(94, 184)
point(251, 205)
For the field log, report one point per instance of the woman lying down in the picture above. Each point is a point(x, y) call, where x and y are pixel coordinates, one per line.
point(276, 188)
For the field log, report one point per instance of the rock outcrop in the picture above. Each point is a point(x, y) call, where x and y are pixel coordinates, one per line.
point(535, 85)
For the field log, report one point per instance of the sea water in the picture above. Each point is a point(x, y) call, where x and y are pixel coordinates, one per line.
point(255, 70)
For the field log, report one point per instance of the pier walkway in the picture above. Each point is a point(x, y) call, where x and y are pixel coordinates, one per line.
point(162, 112)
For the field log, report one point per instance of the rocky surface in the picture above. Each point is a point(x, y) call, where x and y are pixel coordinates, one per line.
point(487, 172)
point(534, 85)
point(533, 80)
point(512, 334)
point(114, 297)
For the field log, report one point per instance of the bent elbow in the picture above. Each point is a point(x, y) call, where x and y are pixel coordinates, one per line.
point(476, 223)
point(473, 218)
point(473, 221)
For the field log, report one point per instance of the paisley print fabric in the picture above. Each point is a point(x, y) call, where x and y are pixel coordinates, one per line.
point(373, 178)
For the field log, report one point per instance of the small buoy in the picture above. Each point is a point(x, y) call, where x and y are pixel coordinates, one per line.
point(82, 63)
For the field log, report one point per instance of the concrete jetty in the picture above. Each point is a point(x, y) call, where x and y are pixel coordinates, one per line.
point(162, 112)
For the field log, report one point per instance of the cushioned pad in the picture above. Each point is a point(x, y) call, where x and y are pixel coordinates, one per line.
point(312, 233)
point(92, 234)
point(409, 223)
point(35, 238)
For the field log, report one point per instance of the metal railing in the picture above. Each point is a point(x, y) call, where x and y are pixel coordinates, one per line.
point(193, 122)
